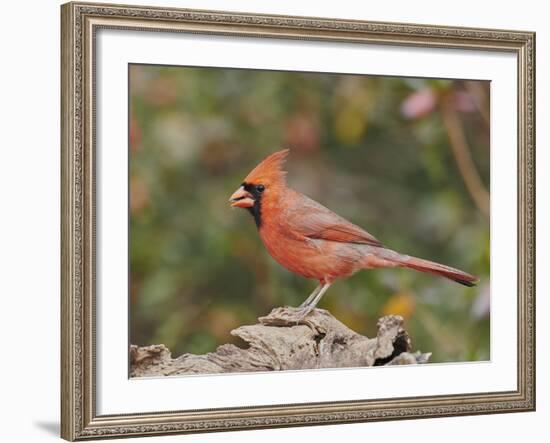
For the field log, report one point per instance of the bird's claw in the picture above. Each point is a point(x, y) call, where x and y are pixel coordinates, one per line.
point(302, 312)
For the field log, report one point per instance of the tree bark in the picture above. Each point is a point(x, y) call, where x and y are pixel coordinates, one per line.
point(281, 341)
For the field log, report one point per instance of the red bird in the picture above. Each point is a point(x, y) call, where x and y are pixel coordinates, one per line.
point(311, 240)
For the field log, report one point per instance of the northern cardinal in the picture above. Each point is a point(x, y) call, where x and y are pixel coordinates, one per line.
point(311, 240)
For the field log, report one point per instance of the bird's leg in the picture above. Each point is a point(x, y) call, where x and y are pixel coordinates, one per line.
point(311, 305)
point(306, 308)
point(311, 297)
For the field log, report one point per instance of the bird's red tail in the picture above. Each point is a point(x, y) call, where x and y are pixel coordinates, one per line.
point(430, 267)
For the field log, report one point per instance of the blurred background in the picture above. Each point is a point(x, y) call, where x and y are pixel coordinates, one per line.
point(405, 158)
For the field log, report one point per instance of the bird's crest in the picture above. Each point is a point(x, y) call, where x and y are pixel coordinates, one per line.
point(270, 170)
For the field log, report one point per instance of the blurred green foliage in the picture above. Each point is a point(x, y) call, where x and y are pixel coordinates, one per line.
point(376, 150)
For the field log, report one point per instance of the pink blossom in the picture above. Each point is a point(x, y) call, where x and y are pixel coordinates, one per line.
point(419, 103)
point(464, 102)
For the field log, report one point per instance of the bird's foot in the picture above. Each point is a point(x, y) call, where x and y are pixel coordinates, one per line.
point(302, 312)
point(290, 316)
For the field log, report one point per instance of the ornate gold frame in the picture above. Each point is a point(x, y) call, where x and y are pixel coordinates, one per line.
point(80, 21)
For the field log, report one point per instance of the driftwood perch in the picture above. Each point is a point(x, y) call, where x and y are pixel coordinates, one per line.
point(280, 342)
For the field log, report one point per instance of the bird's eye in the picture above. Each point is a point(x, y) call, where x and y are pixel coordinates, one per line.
point(260, 188)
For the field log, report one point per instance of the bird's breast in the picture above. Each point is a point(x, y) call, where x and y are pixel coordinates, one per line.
point(310, 258)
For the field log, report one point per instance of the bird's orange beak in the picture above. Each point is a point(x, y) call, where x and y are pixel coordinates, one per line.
point(241, 198)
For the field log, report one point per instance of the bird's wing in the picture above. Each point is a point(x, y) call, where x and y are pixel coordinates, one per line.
point(315, 221)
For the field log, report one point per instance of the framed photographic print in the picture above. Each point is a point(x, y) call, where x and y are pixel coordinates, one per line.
point(282, 221)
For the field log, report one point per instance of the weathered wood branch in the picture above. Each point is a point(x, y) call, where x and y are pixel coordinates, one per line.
point(280, 342)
